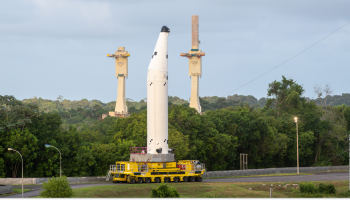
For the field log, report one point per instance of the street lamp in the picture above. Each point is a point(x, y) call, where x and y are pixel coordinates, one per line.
point(47, 145)
point(296, 121)
point(10, 149)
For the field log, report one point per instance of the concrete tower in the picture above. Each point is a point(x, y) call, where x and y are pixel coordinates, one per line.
point(195, 65)
point(121, 71)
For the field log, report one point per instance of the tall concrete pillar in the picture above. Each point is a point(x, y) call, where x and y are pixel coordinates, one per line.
point(121, 71)
point(195, 65)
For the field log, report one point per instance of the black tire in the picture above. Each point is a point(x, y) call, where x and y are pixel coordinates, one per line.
point(199, 179)
point(185, 178)
point(176, 179)
point(148, 180)
point(140, 180)
point(132, 181)
point(157, 180)
point(166, 180)
point(192, 179)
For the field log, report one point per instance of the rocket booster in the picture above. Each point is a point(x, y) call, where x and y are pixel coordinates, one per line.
point(157, 97)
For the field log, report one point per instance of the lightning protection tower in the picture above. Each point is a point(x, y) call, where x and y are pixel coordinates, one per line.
point(195, 65)
point(121, 71)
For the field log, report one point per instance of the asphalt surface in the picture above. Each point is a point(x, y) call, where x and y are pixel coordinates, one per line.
point(327, 176)
point(37, 188)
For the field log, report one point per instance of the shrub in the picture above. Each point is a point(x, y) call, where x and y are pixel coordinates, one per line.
point(308, 188)
point(164, 190)
point(327, 189)
point(344, 194)
point(57, 187)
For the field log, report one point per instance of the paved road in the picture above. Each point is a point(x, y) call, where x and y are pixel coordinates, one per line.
point(327, 176)
point(37, 188)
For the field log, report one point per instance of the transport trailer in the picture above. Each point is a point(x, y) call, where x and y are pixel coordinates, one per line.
point(142, 172)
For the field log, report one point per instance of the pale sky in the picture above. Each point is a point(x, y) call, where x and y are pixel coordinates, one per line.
point(58, 47)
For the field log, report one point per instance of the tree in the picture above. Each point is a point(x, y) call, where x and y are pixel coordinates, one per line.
point(24, 142)
point(2, 168)
point(323, 94)
point(286, 96)
point(60, 98)
point(179, 142)
point(15, 114)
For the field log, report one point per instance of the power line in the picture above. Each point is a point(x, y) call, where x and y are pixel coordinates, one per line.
point(290, 58)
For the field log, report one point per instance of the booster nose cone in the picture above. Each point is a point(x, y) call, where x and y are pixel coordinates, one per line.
point(159, 59)
point(165, 29)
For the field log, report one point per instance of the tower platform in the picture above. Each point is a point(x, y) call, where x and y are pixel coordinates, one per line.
point(138, 154)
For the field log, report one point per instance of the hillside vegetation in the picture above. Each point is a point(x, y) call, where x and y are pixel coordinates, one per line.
point(227, 128)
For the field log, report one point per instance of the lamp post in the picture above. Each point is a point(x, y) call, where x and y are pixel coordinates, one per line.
point(47, 145)
point(10, 149)
point(296, 121)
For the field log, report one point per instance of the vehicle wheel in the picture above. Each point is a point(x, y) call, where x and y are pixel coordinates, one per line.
point(166, 180)
point(157, 180)
point(192, 179)
point(185, 178)
point(132, 181)
point(114, 181)
point(148, 180)
point(176, 179)
point(140, 180)
point(199, 179)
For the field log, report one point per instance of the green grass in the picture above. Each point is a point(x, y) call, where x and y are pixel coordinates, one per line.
point(205, 190)
point(15, 191)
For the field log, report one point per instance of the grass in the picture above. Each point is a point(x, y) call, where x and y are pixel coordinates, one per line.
point(205, 190)
point(15, 191)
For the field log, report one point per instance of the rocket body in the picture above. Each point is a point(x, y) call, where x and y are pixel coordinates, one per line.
point(157, 97)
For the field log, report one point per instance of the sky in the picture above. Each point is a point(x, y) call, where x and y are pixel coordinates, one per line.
point(52, 48)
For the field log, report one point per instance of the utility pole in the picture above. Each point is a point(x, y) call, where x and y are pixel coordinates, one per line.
point(296, 120)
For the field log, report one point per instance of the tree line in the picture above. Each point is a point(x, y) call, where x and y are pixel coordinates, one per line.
point(266, 133)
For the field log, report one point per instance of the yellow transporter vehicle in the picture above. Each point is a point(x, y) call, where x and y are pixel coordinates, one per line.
point(143, 172)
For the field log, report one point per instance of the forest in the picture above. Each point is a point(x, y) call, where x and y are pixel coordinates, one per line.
point(264, 129)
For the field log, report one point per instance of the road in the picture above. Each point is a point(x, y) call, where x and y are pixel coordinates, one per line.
point(327, 176)
point(37, 188)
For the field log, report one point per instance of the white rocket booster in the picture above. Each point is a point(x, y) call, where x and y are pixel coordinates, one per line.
point(157, 97)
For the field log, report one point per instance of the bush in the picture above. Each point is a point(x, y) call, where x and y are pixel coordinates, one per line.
point(327, 189)
point(164, 190)
point(57, 187)
point(344, 194)
point(308, 188)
